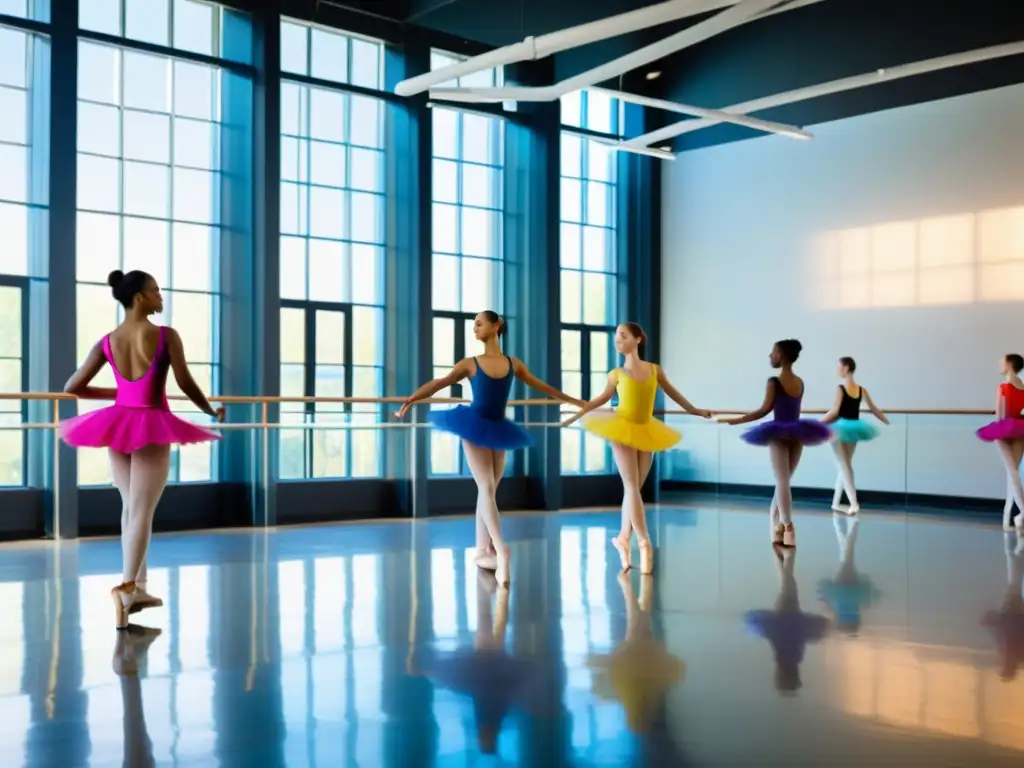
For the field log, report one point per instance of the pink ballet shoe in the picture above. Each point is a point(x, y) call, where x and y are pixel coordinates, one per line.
point(123, 596)
point(646, 557)
point(486, 560)
point(622, 547)
point(144, 600)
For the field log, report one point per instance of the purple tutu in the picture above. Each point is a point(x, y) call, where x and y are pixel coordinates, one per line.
point(467, 423)
point(804, 431)
point(1004, 429)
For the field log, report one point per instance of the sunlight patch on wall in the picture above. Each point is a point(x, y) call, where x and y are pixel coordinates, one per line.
point(950, 260)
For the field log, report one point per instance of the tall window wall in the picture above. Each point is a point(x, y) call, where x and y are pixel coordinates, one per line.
point(468, 266)
point(589, 265)
point(332, 252)
point(150, 171)
point(23, 163)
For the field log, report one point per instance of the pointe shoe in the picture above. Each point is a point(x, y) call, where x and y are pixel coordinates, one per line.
point(789, 536)
point(502, 569)
point(486, 560)
point(622, 547)
point(777, 533)
point(646, 557)
point(123, 596)
point(144, 600)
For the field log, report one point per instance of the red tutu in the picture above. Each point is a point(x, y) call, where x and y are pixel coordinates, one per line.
point(1004, 429)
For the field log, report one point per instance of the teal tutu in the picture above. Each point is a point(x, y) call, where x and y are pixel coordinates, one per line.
point(853, 430)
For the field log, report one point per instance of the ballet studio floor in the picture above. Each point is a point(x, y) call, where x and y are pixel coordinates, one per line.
point(380, 644)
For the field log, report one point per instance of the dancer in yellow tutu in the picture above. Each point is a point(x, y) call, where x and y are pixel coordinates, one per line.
point(634, 433)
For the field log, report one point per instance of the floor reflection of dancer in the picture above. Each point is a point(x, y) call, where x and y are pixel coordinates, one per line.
point(640, 671)
point(486, 673)
point(486, 433)
point(1007, 432)
point(139, 428)
point(786, 435)
point(634, 434)
point(1007, 624)
point(129, 658)
point(844, 418)
point(787, 628)
point(848, 593)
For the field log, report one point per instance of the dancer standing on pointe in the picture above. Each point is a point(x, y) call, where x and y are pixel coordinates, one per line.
point(139, 428)
point(844, 418)
point(486, 433)
point(634, 434)
point(1007, 432)
point(786, 435)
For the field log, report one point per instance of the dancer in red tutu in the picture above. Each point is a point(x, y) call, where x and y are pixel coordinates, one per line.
point(786, 435)
point(1007, 432)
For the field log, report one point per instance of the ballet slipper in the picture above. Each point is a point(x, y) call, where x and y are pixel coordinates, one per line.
point(646, 557)
point(622, 547)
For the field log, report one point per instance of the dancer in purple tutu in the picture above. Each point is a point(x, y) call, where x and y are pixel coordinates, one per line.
point(486, 433)
point(1007, 432)
point(786, 435)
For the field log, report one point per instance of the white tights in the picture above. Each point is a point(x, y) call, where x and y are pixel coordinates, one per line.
point(141, 478)
point(844, 478)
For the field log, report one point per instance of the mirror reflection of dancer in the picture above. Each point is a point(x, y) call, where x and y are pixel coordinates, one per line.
point(486, 673)
point(844, 418)
point(787, 628)
point(128, 660)
point(1007, 432)
point(634, 434)
point(786, 435)
point(640, 671)
point(486, 433)
point(848, 593)
point(139, 428)
point(1007, 624)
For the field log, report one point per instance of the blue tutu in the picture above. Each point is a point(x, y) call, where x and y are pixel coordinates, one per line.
point(853, 430)
point(803, 431)
point(467, 423)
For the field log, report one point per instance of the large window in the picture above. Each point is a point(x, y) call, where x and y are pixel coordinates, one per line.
point(332, 255)
point(468, 267)
point(589, 267)
point(22, 216)
point(149, 197)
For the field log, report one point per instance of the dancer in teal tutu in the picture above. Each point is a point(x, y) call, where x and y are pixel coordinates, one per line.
point(844, 418)
point(486, 433)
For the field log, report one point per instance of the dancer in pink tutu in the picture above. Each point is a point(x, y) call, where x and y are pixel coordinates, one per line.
point(1007, 432)
point(786, 435)
point(139, 428)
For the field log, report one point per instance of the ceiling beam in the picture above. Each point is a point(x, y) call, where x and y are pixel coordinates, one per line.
point(835, 86)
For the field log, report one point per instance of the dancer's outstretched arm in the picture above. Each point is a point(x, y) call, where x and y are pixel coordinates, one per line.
point(78, 384)
point(597, 402)
point(874, 408)
point(462, 370)
point(833, 413)
point(523, 374)
point(677, 396)
point(760, 413)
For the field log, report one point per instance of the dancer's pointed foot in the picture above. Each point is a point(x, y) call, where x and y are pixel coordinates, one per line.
point(144, 600)
point(621, 545)
point(788, 536)
point(131, 648)
point(646, 557)
point(486, 559)
point(502, 569)
point(123, 597)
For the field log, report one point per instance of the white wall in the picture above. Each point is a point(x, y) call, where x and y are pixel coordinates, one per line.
point(895, 237)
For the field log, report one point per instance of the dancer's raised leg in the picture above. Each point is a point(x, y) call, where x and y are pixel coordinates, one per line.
point(149, 470)
point(481, 463)
point(629, 470)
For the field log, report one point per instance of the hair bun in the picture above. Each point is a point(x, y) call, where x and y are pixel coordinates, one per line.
point(797, 346)
point(114, 278)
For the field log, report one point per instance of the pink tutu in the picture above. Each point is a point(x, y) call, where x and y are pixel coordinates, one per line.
point(1004, 429)
point(128, 429)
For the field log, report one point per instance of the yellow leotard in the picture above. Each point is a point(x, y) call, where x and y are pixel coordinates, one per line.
point(633, 421)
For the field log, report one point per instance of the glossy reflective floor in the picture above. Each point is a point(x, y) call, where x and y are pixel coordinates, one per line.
point(895, 640)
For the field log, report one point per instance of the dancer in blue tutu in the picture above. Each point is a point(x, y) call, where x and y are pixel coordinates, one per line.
point(844, 418)
point(486, 433)
point(786, 435)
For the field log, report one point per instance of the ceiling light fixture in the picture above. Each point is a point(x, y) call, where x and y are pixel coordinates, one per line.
point(653, 75)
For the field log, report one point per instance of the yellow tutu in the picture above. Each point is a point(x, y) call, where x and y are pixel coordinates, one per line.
point(651, 436)
point(633, 422)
